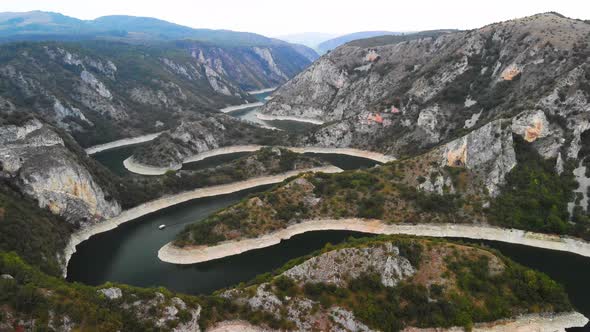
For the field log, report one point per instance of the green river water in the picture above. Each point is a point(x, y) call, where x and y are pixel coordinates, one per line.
point(128, 254)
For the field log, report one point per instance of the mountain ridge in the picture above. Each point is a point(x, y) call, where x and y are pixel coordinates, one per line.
point(428, 90)
point(42, 26)
point(103, 90)
point(333, 43)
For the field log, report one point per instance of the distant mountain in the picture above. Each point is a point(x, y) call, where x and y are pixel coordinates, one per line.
point(335, 42)
point(43, 26)
point(309, 39)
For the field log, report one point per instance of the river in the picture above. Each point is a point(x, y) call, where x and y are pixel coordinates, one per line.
point(128, 253)
point(249, 114)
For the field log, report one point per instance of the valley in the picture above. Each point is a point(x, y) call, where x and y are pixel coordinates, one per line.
point(155, 176)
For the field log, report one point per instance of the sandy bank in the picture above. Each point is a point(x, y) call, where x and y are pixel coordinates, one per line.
point(164, 202)
point(142, 169)
point(376, 156)
point(532, 322)
point(257, 92)
point(192, 255)
point(266, 117)
point(237, 326)
point(230, 109)
point(527, 323)
point(122, 142)
point(222, 151)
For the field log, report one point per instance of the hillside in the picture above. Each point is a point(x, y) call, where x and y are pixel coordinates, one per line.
point(49, 187)
point(407, 97)
point(355, 286)
point(483, 135)
point(395, 284)
point(202, 133)
point(100, 91)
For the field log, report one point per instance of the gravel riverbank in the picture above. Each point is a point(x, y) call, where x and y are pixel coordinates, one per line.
point(191, 255)
point(122, 142)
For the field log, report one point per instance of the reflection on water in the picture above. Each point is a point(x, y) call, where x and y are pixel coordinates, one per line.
point(113, 159)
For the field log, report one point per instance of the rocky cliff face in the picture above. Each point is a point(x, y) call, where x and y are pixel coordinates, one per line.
point(102, 91)
point(406, 97)
point(488, 152)
point(249, 67)
point(34, 157)
point(449, 92)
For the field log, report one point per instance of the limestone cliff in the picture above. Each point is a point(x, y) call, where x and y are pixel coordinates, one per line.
point(34, 157)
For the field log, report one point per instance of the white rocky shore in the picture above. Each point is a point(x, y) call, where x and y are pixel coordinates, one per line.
point(197, 254)
point(257, 92)
point(526, 323)
point(237, 326)
point(164, 202)
point(376, 156)
point(222, 151)
point(134, 167)
point(230, 109)
point(122, 142)
point(142, 169)
point(266, 117)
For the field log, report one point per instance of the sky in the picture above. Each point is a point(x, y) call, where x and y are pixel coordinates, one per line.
point(279, 17)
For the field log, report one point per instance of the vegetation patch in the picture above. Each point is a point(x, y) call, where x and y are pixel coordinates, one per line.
point(534, 197)
point(470, 285)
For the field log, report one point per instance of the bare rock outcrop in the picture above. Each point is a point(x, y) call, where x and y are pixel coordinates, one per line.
point(487, 151)
point(34, 156)
point(335, 267)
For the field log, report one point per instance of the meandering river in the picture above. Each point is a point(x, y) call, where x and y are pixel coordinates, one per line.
point(128, 254)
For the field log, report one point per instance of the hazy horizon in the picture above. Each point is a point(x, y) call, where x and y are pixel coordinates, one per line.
point(330, 17)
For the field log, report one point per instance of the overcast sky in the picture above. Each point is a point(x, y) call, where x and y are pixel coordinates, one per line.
point(279, 17)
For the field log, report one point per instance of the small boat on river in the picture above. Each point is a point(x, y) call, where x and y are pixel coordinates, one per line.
point(161, 227)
